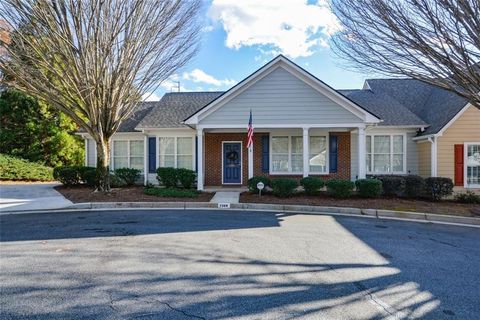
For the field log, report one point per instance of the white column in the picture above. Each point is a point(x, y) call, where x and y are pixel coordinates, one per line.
point(250, 162)
point(145, 160)
point(306, 153)
point(86, 151)
point(362, 154)
point(200, 158)
point(433, 156)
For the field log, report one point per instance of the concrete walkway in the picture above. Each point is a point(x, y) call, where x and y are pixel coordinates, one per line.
point(31, 196)
point(226, 197)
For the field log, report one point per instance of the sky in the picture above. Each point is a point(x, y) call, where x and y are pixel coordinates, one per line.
point(238, 37)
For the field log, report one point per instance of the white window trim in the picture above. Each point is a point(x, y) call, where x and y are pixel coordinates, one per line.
point(290, 172)
point(241, 163)
point(175, 138)
point(391, 152)
point(327, 157)
point(465, 154)
point(112, 152)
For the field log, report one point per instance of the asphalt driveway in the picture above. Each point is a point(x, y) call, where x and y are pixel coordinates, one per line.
point(234, 265)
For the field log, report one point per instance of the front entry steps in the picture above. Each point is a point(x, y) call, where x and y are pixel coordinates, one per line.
point(226, 197)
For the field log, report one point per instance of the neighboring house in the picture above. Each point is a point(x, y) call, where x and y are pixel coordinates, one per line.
point(303, 127)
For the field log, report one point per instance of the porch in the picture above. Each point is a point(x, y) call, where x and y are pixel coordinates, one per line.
point(325, 151)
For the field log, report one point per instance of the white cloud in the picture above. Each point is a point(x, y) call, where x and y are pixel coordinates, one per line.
point(292, 27)
point(150, 96)
point(172, 84)
point(199, 76)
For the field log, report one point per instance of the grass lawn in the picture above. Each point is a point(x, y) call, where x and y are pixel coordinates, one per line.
point(398, 204)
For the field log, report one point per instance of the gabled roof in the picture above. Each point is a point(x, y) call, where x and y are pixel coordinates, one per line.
point(170, 111)
point(292, 67)
point(434, 105)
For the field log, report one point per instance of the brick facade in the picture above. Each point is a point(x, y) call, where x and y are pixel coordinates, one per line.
point(213, 157)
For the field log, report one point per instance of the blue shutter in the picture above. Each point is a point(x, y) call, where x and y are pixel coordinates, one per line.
point(152, 154)
point(265, 154)
point(333, 154)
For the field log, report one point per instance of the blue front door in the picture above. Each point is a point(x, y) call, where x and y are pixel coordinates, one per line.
point(232, 162)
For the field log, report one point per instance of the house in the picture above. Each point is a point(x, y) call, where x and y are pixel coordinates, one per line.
point(303, 127)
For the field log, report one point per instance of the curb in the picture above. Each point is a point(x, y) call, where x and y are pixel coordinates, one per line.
point(373, 213)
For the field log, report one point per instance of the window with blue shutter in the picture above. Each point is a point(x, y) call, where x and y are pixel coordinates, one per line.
point(333, 153)
point(265, 154)
point(152, 154)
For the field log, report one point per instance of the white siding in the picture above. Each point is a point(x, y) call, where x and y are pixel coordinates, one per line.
point(91, 154)
point(281, 98)
point(412, 154)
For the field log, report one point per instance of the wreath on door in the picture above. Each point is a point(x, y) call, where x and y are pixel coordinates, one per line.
point(232, 155)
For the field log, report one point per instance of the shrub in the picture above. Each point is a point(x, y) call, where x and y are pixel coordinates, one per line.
point(186, 177)
point(392, 185)
point(369, 188)
point(284, 188)
point(414, 186)
point(171, 193)
point(12, 168)
point(167, 176)
point(89, 177)
point(116, 182)
point(129, 175)
point(468, 197)
point(438, 187)
point(339, 188)
point(68, 176)
point(312, 185)
point(252, 183)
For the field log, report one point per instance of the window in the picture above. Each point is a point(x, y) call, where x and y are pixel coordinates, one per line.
point(128, 154)
point(176, 152)
point(287, 154)
point(385, 153)
point(473, 165)
point(318, 154)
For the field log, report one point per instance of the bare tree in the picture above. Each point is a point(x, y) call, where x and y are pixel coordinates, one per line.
point(93, 60)
point(436, 41)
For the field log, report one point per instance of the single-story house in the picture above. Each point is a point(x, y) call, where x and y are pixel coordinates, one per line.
point(303, 127)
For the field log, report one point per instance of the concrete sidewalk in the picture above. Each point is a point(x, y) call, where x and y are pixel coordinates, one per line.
point(226, 197)
point(31, 196)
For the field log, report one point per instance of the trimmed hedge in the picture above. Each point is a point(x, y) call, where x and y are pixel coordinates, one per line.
point(369, 188)
point(116, 181)
point(392, 185)
point(89, 177)
point(437, 188)
point(312, 185)
point(253, 181)
point(468, 197)
point(283, 187)
point(129, 175)
point(68, 176)
point(13, 168)
point(186, 177)
point(339, 188)
point(414, 186)
point(171, 193)
point(167, 176)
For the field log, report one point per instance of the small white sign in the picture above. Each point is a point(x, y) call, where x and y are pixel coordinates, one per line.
point(260, 186)
point(224, 205)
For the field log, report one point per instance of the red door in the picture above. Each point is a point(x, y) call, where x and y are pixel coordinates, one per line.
point(459, 163)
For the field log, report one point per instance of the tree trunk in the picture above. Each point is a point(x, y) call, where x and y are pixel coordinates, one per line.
point(103, 165)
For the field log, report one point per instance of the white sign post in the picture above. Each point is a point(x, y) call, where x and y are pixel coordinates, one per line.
point(260, 187)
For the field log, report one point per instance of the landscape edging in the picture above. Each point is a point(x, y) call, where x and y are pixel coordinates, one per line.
point(377, 213)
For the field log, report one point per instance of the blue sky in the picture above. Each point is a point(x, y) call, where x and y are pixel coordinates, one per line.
point(241, 36)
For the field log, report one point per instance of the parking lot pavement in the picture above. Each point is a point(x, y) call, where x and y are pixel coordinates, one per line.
point(31, 196)
point(180, 264)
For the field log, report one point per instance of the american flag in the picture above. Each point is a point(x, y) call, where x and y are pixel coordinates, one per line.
point(250, 131)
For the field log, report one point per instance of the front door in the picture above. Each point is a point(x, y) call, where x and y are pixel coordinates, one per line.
point(232, 162)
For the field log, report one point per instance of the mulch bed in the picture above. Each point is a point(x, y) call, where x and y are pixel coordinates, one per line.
point(130, 194)
point(398, 204)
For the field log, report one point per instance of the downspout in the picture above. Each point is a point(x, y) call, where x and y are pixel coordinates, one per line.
point(145, 158)
point(433, 155)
